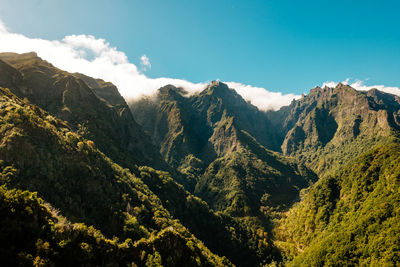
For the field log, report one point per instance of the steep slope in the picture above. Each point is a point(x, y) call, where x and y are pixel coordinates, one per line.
point(210, 136)
point(183, 124)
point(104, 90)
point(330, 126)
point(248, 179)
point(69, 172)
point(218, 100)
point(202, 133)
point(174, 126)
point(92, 107)
point(357, 210)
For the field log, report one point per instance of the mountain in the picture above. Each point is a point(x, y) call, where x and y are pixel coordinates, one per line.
point(237, 173)
point(330, 126)
point(73, 176)
point(181, 124)
point(92, 107)
point(212, 138)
point(217, 134)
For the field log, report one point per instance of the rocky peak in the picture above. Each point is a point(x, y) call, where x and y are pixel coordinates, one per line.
point(220, 90)
point(171, 92)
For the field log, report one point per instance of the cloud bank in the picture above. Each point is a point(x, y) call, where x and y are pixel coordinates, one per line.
point(95, 57)
point(262, 98)
point(360, 85)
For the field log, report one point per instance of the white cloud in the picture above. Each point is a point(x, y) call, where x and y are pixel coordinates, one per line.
point(262, 98)
point(2, 27)
point(97, 58)
point(145, 62)
point(361, 86)
point(93, 57)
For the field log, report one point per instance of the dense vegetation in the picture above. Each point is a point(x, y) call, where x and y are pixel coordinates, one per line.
point(352, 218)
point(243, 242)
point(37, 235)
point(203, 136)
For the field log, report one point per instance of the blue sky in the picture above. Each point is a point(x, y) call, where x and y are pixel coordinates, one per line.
point(286, 46)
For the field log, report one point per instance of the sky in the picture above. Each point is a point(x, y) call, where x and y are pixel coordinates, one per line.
point(269, 51)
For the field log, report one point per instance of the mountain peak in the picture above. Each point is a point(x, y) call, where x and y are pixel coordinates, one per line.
point(217, 83)
point(343, 86)
point(324, 91)
point(219, 89)
point(171, 91)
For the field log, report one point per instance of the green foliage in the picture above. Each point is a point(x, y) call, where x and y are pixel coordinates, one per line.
point(36, 235)
point(357, 210)
point(237, 182)
point(236, 239)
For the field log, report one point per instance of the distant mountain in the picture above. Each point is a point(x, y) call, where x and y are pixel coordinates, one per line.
point(330, 126)
point(55, 164)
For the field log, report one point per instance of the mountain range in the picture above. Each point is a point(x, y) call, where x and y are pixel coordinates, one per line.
point(193, 179)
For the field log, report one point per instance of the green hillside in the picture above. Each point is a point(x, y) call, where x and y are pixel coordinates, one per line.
point(349, 219)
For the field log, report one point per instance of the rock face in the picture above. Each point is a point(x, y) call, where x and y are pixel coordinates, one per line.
point(92, 107)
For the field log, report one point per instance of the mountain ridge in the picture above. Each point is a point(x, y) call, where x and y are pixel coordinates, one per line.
point(67, 96)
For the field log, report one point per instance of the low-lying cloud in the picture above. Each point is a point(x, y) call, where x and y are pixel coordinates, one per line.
point(262, 98)
point(95, 57)
point(360, 85)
